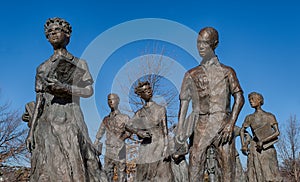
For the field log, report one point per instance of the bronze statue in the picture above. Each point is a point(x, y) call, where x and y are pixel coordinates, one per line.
point(27, 115)
point(150, 124)
point(239, 171)
point(58, 138)
point(114, 126)
point(262, 158)
point(209, 86)
point(179, 164)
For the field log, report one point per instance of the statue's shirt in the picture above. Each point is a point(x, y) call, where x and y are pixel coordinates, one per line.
point(114, 126)
point(209, 86)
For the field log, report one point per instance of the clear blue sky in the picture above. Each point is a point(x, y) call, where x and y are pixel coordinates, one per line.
point(259, 39)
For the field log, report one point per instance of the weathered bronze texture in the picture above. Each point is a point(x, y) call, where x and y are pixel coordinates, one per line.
point(58, 138)
point(262, 164)
point(114, 127)
point(27, 116)
point(179, 164)
point(151, 122)
point(209, 86)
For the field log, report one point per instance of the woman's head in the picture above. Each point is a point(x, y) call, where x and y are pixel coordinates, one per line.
point(144, 90)
point(255, 99)
point(58, 31)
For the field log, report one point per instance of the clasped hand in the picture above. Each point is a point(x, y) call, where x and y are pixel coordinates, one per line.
point(56, 86)
point(144, 134)
point(259, 145)
point(245, 150)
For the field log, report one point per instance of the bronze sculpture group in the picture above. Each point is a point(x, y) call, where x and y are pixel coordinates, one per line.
point(62, 150)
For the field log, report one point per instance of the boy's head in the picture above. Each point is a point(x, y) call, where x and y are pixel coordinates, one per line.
point(208, 39)
point(113, 100)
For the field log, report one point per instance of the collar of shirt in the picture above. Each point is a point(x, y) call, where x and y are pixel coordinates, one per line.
point(67, 55)
point(212, 61)
point(149, 104)
point(114, 113)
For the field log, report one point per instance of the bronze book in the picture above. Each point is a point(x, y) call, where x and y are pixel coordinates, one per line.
point(30, 108)
point(263, 132)
point(66, 71)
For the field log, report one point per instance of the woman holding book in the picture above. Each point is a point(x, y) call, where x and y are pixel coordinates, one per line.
point(154, 163)
point(262, 164)
point(58, 139)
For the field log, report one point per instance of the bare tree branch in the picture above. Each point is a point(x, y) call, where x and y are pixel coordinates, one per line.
point(12, 136)
point(288, 150)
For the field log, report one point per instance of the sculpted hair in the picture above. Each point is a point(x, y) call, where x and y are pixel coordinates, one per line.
point(62, 23)
point(259, 95)
point(213, 34)
point(114, 95)
point(139, 88)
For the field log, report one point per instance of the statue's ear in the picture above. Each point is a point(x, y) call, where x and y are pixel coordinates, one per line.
point(216, 44)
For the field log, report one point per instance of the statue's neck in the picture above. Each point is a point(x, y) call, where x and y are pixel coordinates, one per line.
point(258, 109)
point(114, 109)
point(60, 51)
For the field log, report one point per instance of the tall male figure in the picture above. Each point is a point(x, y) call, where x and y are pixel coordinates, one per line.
point(209, 86)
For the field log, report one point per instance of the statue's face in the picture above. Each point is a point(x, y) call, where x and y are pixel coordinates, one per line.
point(146, 93)
point(113, 101)
point(204, 44)
point(254, 101)
point(57, 36)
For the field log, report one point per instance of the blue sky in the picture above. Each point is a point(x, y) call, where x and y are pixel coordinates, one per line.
point(259, 39)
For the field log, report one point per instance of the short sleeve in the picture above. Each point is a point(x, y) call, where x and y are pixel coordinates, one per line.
point(234, 82)
point(273, 120)
point(87, 77)
point(38, 84)
point(39, 81)
point(185, 93)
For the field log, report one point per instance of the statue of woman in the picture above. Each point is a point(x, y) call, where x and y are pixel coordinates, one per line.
point(262, 164)
point(58, 138)
point(153, 162)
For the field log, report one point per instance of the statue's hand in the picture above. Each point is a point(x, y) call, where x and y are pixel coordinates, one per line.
point(177, 145)
point(58, 87)
point(30, 143)
point(26, 117)
point(245, 150)
point(259, 145)
point(227, 133)
point(144, 134)
point(175, 156)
